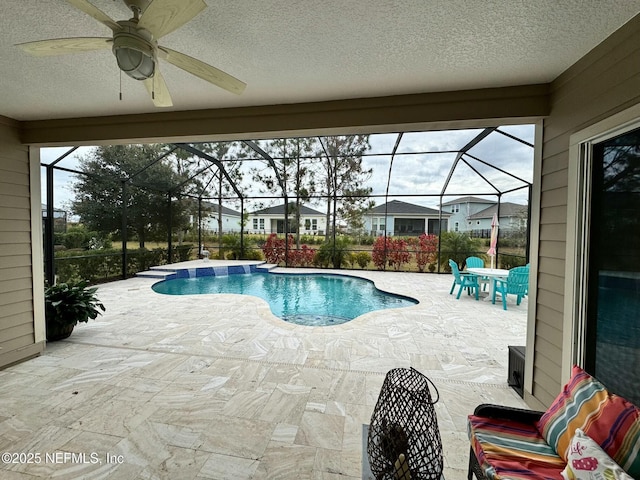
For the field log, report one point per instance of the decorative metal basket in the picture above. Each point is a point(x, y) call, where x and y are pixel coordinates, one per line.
point(404, 441)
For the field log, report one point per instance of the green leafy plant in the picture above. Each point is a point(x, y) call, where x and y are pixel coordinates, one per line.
point(363, 259)
point(333, 253)
point(66, 304)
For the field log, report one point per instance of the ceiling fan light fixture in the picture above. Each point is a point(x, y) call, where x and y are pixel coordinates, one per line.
point(135, 54)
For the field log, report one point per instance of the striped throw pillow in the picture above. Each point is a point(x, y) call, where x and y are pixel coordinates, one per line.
point(610, 420)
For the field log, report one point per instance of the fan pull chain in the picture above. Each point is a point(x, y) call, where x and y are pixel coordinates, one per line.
point(120, 84)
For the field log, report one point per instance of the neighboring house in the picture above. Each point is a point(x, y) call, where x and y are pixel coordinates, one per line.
point(461, 209)
point(59, 219)
point(404, 218)
point(513, 217)
point(231, 220)
point(271, 220)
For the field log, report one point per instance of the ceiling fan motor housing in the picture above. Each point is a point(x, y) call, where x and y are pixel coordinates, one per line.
point(135, 50)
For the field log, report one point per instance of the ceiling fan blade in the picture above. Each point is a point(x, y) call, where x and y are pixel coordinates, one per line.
point(202, 70)
point(62, 46)
point(158, 90)
point(95, 12)
point(164, 16)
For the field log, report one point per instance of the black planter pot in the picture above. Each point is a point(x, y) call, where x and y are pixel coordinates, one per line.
point(58, 332)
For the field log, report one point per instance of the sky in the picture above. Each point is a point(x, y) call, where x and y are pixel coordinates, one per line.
point(413, 172)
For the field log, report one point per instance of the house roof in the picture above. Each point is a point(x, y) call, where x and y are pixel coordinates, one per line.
point(288, 55)
point(461, 200)
point(507, 209)
point(279, 210)
point(225, 211)
point(396, 207)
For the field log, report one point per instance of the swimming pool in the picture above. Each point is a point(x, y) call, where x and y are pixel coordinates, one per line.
point(304, 299)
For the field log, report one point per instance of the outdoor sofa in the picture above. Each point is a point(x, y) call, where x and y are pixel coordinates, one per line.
point(587, 433)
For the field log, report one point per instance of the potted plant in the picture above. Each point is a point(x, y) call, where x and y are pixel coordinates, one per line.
point(66, 304)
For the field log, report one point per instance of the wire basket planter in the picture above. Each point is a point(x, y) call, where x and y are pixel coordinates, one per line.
point(404, 441)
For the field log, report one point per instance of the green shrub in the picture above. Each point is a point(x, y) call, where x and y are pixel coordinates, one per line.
point(75, 239)
point(101, 265)
point(58, 238)
point(510, 261)
point(239, 250)
point(333, 253)
point(182, 253)
point(350, 259)
point(363, 259)
point(457, 246)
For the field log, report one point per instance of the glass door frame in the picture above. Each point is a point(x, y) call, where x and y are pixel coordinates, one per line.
point(578, 227)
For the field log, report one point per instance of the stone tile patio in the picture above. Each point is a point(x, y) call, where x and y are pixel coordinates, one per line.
point(216, 387)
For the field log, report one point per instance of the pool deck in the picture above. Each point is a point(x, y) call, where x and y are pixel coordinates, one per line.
point(217, 387)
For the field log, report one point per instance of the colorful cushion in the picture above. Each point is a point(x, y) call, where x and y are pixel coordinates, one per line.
point(608, 419)
point(512, 450)
point(586, 461)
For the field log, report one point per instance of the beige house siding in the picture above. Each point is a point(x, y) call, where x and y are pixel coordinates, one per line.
point(604, 82)
point(17, 333)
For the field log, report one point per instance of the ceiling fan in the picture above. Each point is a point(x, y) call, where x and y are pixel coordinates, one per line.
point(135, 44)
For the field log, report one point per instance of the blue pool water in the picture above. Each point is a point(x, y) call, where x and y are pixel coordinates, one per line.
point(304, 299)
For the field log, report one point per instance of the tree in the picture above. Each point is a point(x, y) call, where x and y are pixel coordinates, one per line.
point(292, 164)
point(342, 179)
point(120, 176)
point(456, 246)
point(230, 155)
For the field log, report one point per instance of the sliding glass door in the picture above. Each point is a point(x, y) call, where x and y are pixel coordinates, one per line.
point(612, 336)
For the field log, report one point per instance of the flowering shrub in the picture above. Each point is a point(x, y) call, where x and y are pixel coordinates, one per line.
point(302, 257)
point(380, 251)
point(274, 250)
point(398, 253)
point(426, 247)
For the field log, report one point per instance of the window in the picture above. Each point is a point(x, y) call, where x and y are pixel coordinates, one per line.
point(377, 224)
point(255, 224)
point(262, 224)
point(457, 208)
point(307, 224)
point(456, 227)
point(314, 224)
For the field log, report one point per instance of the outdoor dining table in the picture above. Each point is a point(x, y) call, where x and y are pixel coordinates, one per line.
point(491, 273)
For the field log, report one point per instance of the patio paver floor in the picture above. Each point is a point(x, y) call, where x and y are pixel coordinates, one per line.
point(203, 387)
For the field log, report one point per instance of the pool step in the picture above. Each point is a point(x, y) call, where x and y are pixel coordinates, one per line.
point(266, 267)
point(162, 274)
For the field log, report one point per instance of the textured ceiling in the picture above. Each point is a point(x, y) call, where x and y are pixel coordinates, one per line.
point(290, 51)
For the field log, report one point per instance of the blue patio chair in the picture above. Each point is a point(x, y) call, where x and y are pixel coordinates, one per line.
point(524, 269)
point(477, 262)
point(517, 283)
point(466, 280)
